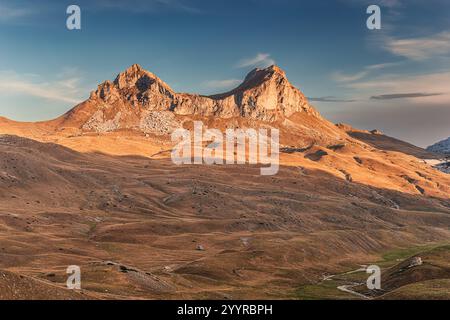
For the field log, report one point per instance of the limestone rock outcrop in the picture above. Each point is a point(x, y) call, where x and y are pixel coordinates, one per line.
point(132, 100)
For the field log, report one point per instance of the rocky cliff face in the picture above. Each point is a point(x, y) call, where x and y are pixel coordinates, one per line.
point(442, 147)
point(137, 99)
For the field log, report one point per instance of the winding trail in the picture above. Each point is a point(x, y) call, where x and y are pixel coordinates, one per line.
point(348, 288)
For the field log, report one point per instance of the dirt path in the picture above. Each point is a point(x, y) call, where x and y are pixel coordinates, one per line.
point(348, 288)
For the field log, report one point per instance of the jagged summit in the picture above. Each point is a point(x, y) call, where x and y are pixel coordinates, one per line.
point(257, 77)
point(137, 98)
point(139, 77)
point(135, 84)
point(264, 73)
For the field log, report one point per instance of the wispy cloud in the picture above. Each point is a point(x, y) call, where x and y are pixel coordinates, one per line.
point(393, 7)
point(260, 60)
point(338, 76)
point(420, 48)
point(329, 99)
point(10, 13)
point(222, 84)
point(63, 90)
point(391, 3)
point(423, 84)
point(404, 95)
point(383, 3)
point(146, 6)
point(382, 65)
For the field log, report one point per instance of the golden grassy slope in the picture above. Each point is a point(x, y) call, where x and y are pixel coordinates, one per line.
point(263, 236)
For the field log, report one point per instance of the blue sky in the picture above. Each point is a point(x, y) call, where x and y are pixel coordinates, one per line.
point(396, 79)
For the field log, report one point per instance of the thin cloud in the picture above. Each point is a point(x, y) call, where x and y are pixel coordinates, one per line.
point(383, 3)
point(329, 99)
point(10, 13)
point(391, 8)
point(260, 60)
point(423, 84)
point(391, 3)
point(420, 48)
point(400, 81)
point(382, 65)
point(147, 6)
point(62, 90)
point(342, 77)
point(404, 95)
point(222, 84)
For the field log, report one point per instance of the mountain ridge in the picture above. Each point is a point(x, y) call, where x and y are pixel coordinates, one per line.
point(137, 100)
point(131, 100)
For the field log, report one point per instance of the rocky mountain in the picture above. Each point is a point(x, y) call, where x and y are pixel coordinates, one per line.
point(442, 147)
point(138, 99)
point(97, 188)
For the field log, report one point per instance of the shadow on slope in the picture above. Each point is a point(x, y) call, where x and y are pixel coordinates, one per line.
point(384, 142)
point(221, 232)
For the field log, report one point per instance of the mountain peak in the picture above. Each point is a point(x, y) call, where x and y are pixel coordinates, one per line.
point(265, 73)
point(136, 76)
point(274, 69)
point(134, 68)
point(135, 85)
point(136, 95)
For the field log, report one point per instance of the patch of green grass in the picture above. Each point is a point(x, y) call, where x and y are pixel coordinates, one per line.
point(360, 276)
point(429, 290)
point(327, 290)
point(442, 248)
point(393, 257)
